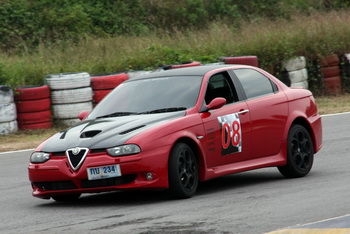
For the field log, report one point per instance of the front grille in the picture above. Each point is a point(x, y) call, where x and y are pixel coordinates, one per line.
point(69, 185)
point(56, 185)
point(108, 182)
point(76, 156)
point(96, 151)
point(57, 154)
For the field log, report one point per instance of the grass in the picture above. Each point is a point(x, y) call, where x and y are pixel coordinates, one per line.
point(312, 36)
point(333, 104)
point(30, 139)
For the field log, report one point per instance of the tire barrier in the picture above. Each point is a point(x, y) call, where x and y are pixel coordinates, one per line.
point(8, 127)
point(185, 64)
point(294, 64)
point(296, 72)
point(243, 60)
point(70, 94)
point(345, 71)
point(67, 112)
point(100, 94)
point(135, 74)
point(8, 114)
point(105, 83)
point(70, 80)
point(332, 85)
point(33, 107)
point(330, 71)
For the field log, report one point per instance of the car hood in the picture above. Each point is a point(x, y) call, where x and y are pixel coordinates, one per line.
point(105, 132)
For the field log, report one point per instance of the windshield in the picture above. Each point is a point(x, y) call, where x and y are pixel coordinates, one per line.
point(148, 96)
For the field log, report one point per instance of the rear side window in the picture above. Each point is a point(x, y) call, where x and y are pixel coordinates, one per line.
point(254, 83)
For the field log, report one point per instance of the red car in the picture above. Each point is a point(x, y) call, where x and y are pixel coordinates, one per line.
point(172, 129)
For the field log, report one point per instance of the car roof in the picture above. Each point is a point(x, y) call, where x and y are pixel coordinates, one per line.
point(187, 71)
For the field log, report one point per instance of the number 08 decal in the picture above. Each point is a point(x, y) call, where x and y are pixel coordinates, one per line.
point(231, 134)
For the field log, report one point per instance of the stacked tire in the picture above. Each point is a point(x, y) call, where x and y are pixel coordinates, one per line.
point(331, 75)
point(8, 123)
point(242, 60)
point(346, 71)
point(104, 84)
point(297, 72)
point(185, 64)
point(33, 107)
point(70, 94)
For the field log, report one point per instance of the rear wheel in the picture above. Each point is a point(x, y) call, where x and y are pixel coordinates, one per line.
point(300, 154)
point(66, 198)
point(183, 171)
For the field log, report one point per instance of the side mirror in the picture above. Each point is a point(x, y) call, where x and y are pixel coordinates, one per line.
point(216, 103)
point(83, 115)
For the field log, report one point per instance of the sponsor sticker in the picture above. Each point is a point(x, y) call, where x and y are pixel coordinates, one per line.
point(231, 134)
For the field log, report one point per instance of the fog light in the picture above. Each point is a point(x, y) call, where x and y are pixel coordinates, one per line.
point(149, 176)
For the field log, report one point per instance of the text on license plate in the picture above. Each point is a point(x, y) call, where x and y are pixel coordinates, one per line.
point(96, 173)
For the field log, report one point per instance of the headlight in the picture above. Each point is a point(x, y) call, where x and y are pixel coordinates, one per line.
point(124, 150)
point(39, 157)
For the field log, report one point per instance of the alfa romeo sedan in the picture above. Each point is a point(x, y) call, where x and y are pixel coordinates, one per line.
point(173, 129)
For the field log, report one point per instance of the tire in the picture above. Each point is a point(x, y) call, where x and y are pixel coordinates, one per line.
point(68, 122)
point(6, 94)
point(186, 64)
point(45, 125)
point(68, 80)
point(135, 74)
point(183, 171)
point(7, 112)
point(284, 77)
point(243, 60)
point(107, 81)
point(294, 64)
point(32, 92)
point(34, 117)
point(332, 85)
point(70, 111)
point(331, 60)
point(71, 96)
point(67, 198)
point(8, 127)
point(300, 153)
point(298, 76)
point(303, 84)
point(100, 94)
point(33, 105)
point(330, 71)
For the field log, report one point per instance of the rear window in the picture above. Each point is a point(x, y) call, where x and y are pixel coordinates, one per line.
point(254, 83)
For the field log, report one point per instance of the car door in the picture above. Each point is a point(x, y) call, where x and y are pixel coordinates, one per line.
point(227, 129)
point(268, 110)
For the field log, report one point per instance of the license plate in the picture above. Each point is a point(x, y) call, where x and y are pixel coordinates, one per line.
point(96, 173)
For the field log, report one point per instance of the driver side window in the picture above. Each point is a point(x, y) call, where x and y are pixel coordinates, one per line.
point(220, 85)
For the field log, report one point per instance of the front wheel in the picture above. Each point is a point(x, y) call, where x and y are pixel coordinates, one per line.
point(300, 154)
point(183, 171)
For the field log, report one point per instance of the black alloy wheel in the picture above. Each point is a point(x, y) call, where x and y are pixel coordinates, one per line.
point(300, 154)
point(183, 171)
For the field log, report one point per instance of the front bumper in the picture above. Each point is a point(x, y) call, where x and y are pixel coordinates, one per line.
point(56, 177)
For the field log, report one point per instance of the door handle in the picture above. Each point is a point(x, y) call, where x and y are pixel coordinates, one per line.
point(243, 112)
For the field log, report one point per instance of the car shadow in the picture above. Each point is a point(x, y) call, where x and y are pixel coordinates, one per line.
point(138, 198)
point(238, 181)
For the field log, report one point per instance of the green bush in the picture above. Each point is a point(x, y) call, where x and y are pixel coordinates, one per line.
point(53, 36)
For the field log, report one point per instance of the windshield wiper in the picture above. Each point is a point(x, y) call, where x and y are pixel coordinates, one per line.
point(170, 109)
point(117, 114)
